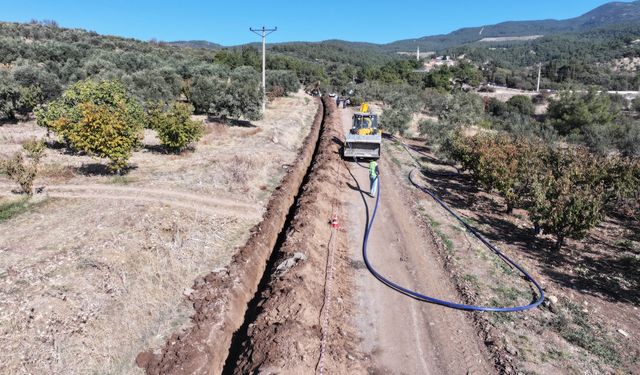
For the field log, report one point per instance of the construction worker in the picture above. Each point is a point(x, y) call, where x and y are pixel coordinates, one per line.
point(374, 172)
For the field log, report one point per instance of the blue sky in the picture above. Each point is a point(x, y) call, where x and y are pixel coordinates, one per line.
point(227, 22)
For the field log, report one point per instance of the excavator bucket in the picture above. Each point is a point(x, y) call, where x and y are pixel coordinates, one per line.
point(362, 146)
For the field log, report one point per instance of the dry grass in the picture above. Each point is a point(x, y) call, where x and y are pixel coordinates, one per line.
point(89, 282)
point(56, 172)
point(239, 170)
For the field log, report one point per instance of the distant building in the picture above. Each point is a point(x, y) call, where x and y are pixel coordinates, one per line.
point(438, 62)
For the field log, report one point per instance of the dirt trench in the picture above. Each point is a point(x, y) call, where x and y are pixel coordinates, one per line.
point(220, 299)
point(292, 312)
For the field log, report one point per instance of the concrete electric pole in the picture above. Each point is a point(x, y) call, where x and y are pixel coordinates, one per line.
point(539, 74)
point(263, 32)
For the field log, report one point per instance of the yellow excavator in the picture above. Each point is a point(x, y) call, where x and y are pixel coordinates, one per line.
point(364, 138)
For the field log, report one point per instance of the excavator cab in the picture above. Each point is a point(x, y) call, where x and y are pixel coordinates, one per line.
point(364, 138)
point(364, 124)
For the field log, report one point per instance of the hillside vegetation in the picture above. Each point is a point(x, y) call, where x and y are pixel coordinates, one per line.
point(40, 59)
point(613, 13)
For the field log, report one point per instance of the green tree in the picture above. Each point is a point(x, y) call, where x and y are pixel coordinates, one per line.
point(241, 96)
point(175, 128)
point(395, 120)
point(36, 77)
point(635, 104)
point(462, 109)
point(285, 79)
point(156, 84)
point(401, 103)
point(467, 73)
point(99, 118)
point(9, 97)
point(228, 95)
point(521, 104)
point(572, 112)
point(440, 79)
point(508, 166)
point(497, 107)
point(569, 198)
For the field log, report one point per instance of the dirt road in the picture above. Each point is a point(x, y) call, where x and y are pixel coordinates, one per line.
point(400, 335)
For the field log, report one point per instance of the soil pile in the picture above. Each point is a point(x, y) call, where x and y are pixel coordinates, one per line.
point(220, 298)
point(286, 335)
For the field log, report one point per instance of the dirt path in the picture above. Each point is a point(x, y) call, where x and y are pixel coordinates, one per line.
point(189, 201)
point(401, 335)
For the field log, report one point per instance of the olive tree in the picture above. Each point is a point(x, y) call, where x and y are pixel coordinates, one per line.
point(285, 79)
point(220, 93)
point(9, 97)
point(240, 96)
point(462, 109)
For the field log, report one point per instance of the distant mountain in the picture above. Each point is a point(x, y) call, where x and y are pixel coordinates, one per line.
point(614, 13)
point(196, 44)
point(605, 15)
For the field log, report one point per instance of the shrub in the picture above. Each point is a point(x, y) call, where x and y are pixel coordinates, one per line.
point(275, 92)
point(21, 171)
point(524, 127)
point(628, 142)
point(496, 107)
point(35, 149)
point(99, 118)
point(635, 104)
point(16, 99)
point(30, 98)
point(463, 150)
point(541, 98)
point(437, 134)
point(175, 128)
point(24, 170)
point(521, 104)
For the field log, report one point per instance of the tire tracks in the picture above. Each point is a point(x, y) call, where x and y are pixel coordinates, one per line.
point(180, 199)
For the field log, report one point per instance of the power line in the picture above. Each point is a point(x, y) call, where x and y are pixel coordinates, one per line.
point(263, 32)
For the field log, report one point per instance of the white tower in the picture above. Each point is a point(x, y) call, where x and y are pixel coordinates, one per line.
point(418, 54)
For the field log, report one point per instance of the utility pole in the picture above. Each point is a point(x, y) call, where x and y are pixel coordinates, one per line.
point(539, 74)
point(263, 32)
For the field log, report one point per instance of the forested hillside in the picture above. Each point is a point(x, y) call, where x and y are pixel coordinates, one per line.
point(40, 59)
point(573, 58)
point(614, 13)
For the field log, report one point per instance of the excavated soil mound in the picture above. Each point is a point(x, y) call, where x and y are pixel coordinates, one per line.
point(220, 298)
point(286, 335)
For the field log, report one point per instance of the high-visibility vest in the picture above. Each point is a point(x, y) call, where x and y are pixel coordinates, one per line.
point(373, 166)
